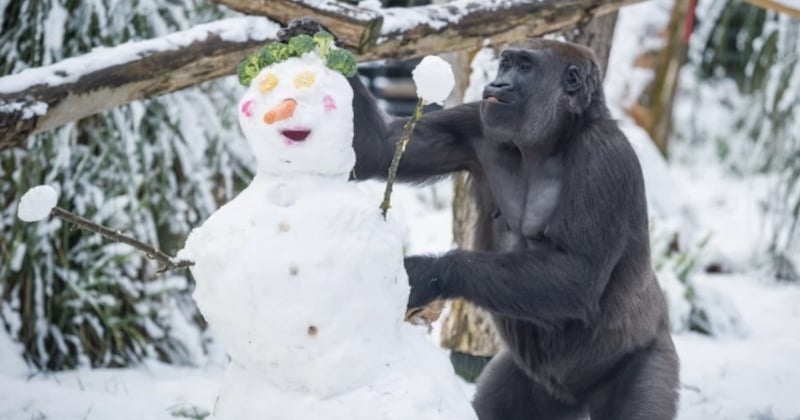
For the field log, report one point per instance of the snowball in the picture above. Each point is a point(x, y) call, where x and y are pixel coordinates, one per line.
point(434, 79)
point(37, 203)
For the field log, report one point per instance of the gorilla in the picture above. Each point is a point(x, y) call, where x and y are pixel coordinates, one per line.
point(562, 254)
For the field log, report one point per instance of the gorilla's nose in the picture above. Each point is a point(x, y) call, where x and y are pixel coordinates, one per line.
point(280, 112)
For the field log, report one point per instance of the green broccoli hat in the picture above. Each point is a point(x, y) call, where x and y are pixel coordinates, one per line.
point(322, 43)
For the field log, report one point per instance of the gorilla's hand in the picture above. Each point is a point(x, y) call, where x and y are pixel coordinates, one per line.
point(424, 281)
point(302, 26)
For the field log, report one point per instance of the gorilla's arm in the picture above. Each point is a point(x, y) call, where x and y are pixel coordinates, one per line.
point(544, 284)
point(441, 142)
point(562, 276)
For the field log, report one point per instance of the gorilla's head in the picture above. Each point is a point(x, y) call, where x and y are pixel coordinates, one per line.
point(542, 88)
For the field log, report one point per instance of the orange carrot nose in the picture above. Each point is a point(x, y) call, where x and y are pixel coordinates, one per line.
point(282, 111)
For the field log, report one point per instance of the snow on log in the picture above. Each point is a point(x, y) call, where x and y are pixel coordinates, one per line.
point(408, 32)
point(354, 26)
point(43, 98)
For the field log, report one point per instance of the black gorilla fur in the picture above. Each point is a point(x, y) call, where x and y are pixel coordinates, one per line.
point(562, 256)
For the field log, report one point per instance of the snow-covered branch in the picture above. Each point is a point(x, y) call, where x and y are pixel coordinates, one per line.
point(466, 24)
point(43, 98)
point(356, 27)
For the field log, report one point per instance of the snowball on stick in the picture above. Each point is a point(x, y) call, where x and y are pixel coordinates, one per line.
point(434, 80)
point(37, 203)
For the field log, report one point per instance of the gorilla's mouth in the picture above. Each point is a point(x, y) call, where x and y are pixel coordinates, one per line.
point(494, 99)
point(298, 134)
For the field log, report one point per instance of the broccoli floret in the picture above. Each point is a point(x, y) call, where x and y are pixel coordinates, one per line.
point(342, 61)
point(324, 43)
point(273, 53)
point(248, 69)
point(301, 44)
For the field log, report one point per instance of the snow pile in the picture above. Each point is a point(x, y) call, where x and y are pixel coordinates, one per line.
point(11, 361)
point(37, 203)
point(301, 278)
point(434, 79)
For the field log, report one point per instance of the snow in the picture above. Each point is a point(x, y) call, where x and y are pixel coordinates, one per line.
point(434, 79)
point(239, 29)
point(11, 362)
point(29, 110)
point(37, 203)
point(401, 19)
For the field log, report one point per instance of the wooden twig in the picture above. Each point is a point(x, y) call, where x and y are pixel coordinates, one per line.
point(399, 149)
point(86, 224)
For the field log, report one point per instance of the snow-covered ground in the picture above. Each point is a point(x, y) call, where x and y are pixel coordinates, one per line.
point(754, 375)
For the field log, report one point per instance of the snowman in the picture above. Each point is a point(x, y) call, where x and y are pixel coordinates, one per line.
point(299, 276)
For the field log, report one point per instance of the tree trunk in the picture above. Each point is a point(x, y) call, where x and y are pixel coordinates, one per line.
point(467, 330)
point(653, 109)
point(597, 34)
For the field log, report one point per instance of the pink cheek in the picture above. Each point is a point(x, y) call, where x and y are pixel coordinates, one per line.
point(247, 108)
point(329, 103)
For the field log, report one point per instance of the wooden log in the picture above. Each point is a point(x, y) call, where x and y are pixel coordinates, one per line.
point(45, 98)
point(467, 24)
point(778, 6)
point(653, 109)
point(357, 28)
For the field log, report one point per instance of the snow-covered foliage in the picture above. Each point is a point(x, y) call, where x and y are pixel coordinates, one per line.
point(744, 72)
point(152, 169)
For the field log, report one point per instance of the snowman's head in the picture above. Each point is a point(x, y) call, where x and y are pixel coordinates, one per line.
point(297, 116)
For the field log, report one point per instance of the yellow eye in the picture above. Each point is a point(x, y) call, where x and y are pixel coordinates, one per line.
point(304, 79)
point(268, 82)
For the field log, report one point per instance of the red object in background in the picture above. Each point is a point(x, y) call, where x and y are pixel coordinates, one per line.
point(688, 28)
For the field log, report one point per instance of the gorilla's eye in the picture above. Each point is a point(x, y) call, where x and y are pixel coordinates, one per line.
point(505, 64)
point(524, 67)
point(572, 79)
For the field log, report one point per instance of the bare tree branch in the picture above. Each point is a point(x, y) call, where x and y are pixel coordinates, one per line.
point(45, 98)
point(86, 224)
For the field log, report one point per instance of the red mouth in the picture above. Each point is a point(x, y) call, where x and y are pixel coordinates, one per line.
point(297, 134)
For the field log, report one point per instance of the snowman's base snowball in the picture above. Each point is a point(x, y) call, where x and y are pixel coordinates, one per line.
point(417, 385)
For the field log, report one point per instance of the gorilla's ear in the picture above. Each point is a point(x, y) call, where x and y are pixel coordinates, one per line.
point(572, 80)
point(579, 86)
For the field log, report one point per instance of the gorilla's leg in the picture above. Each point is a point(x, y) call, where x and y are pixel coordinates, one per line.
point(505, 392)
point(645, 388)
